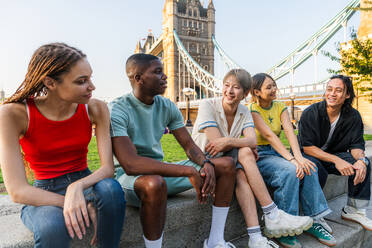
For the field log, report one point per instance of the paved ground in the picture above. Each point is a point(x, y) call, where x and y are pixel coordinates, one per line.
point(369, 149)
point(367, 129)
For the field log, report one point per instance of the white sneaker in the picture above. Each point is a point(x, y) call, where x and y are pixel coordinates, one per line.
point(286, 224)
point(219, 245)
point(324, 224)
point(263, 243)
point(358, 216)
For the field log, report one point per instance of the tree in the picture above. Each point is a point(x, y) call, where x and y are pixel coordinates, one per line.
point(356, 61)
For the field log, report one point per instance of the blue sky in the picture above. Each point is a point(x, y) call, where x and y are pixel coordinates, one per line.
point(256, 34)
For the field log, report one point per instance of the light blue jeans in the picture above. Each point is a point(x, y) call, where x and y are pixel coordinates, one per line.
point(48, 224)
point(289, 191)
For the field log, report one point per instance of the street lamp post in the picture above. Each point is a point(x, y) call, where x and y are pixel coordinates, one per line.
point(292, 97)
point(2, 96)
point(188, 92)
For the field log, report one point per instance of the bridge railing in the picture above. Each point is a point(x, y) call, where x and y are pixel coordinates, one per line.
point(302, 90)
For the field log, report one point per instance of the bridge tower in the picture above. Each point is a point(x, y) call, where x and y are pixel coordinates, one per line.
point(195, 25)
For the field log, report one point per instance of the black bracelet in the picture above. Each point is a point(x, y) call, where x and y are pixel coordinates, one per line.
point(209, 162)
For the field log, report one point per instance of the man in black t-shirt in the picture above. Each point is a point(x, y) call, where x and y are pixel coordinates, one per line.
point(331, 135)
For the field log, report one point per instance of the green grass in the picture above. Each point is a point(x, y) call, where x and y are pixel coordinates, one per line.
point(172, 150)
point(92, 157)
point(284, 140)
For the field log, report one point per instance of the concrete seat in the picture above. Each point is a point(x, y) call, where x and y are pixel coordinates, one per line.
point(188, 223)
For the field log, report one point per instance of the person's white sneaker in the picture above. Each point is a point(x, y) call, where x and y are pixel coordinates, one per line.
point(263, 243)
point(324, 224)
point(219, 245)
point(358, 216)
point(286, 224)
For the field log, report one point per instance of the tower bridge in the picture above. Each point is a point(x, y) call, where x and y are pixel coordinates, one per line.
point(188, 44)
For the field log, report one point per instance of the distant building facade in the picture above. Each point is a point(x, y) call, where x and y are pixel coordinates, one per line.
point(195, 25)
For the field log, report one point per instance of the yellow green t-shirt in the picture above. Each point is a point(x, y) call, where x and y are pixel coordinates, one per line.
point(271, 116)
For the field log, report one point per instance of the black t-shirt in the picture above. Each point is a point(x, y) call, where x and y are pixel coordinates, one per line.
point(314, 127)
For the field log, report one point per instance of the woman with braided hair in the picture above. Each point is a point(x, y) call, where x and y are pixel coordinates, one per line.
point(50, 117)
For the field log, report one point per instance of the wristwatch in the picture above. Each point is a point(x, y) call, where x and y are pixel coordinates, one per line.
point(365, 160)
point(209, 162)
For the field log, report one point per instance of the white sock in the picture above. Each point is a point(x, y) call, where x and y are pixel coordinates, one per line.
point(271, 211)
point(316, 219)
point(254, 233)
point(219, 215)
point(153, 243)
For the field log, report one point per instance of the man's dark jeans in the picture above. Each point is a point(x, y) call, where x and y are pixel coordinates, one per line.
point(359, 194)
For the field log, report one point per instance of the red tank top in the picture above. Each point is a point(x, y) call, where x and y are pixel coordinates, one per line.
point(54, 148)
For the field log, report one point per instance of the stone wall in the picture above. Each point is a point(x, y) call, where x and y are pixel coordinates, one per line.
point(365, 109)
point(365, 27)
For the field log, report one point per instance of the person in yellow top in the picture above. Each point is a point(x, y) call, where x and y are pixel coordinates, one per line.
point(293, 177)
point(268, 115)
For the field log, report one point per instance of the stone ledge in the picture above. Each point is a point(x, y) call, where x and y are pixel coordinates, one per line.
point(187, 224)
point(13, 233)
point(347, 234)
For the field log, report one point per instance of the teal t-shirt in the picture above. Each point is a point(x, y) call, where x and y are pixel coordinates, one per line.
point(144, 124)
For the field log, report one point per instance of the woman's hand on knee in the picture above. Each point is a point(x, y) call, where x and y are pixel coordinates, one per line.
point(75, 211)
point(306, 164)
point(299, 170)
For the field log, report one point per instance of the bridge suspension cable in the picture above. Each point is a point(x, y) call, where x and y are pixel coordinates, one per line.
point(230, 64)
point(313, 44)
point(203, 77)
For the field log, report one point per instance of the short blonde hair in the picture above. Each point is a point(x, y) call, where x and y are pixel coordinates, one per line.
point(243, 77)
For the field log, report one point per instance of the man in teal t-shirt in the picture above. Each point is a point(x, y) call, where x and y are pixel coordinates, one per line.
point(138, 121)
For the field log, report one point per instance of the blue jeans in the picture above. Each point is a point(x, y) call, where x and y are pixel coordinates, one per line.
point(48, 224)
point(280, 174)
